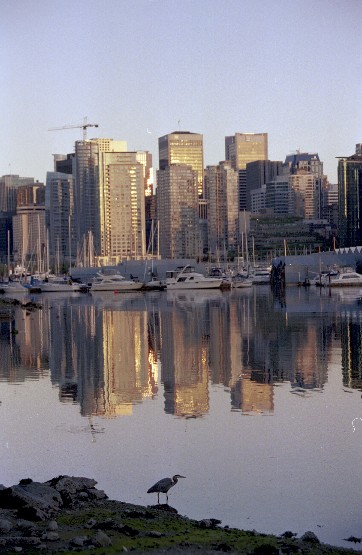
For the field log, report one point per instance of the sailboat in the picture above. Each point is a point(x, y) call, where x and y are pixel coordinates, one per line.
point(154, 284)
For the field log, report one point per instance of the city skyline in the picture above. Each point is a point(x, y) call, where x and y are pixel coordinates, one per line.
point(141, 70)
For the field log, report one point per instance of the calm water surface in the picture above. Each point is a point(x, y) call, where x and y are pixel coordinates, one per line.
point(257, 400)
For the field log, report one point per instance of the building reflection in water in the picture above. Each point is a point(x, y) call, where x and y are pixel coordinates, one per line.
point(24, 345)
point(108, 356)
point(351, 343)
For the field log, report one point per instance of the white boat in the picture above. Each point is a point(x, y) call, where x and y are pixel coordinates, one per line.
point(321, 278)
point(54, 284)
point(260, 276)
point(155, 284)
point(114, 282)
point(187, 278)
point(346, 278)
point(217, 272)
point(239, 281)
point(13, 288)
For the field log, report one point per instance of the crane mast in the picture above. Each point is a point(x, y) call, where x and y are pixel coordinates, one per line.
point(83, 126)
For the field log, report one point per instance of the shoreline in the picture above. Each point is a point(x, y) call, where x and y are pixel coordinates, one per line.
point(67, 514)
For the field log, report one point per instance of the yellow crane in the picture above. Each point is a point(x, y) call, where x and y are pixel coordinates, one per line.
point(83, 126)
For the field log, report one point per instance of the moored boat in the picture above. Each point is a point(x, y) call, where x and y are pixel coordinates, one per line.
point(155, 284)
point(345, 278)
point(260, 276)
point(55, 284)
point(114, 282)
point(239, 281)
point(187, 278)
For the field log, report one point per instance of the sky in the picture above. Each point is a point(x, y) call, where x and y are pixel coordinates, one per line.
point(143, 68)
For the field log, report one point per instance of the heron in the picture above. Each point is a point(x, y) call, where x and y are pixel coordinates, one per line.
point(162, 486)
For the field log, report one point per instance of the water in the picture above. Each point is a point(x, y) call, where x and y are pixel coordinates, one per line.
point(256, 400)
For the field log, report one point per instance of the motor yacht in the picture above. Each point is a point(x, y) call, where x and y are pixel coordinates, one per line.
point(114, 282)
point(187, 278)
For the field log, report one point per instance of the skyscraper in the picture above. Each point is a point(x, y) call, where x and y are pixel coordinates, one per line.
point(183, 147)
point(122, 205)
point(258, 173)
point(29, 230)
point(8, 187)
point(59, 202)
point(221, 184)
point(241, 149)
point(177, 210)
point(350, 200)
point(109, 197)
point(305, 179)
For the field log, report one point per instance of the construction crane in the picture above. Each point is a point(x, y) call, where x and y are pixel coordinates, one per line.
point(83, 126)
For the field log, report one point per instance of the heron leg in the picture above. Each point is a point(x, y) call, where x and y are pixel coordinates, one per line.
point(158, 497)
point(167, 497)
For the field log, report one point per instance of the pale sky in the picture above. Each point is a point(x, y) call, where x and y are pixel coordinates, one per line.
point(291, 68)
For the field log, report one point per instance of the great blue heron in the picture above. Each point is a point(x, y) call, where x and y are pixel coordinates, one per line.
point(162, 486)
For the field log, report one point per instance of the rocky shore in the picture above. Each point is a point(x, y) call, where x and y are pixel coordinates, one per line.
point(69, 514)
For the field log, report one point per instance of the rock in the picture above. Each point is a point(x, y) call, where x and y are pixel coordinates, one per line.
point(78, 541)
point(310, 537)
point(24, 524)
point(109, 524)
point(72, 489)
point(92, 523)
point(38, 500)
point(209, 523)
point(128, 530)
point(97, 494)
point(52, 526)
point(28, 541)
point(34, 513)
point(288, 534)
point(72, 484)
point(154, 534)
point(101, 539)
point(51, 536)
point(5, 526)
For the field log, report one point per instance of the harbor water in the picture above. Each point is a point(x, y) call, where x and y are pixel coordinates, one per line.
point(256, 399)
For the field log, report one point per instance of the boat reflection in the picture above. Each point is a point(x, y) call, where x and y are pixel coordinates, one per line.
point(109, 354)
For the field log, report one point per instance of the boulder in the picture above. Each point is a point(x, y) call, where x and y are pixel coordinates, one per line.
point(310, 537)
point(35, 500)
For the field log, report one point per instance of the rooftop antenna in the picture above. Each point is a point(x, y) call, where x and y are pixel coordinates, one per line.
point(179, 124)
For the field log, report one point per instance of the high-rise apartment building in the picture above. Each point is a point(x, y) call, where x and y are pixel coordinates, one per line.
point(8, 187)
point(350, 200)
point(241, 149)
point(305, 190)
point(221, 184)
point(59, 202)
point(109, 193)
point(306, 180)
point(122, 203)
point(29, 229)
point(177, 210)
point(183, 147)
